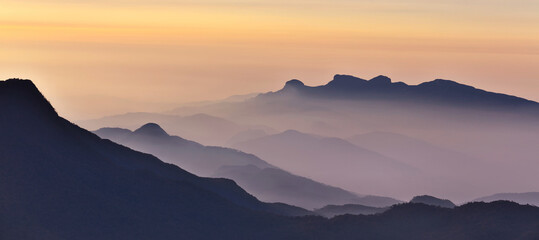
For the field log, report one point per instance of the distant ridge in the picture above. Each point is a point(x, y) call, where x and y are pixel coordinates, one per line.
point(382, 88)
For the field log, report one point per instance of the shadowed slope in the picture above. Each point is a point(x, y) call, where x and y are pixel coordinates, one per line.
point(59, 181)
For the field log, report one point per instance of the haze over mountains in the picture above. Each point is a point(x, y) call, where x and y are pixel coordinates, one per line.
point(334, 161)
point(59, 181)
point(435, 128)
point(265, 181)
point(203, 128)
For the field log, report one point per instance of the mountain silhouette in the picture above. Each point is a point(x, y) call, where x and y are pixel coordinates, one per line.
point(265, 181)
point(58, 181)
point(151, 129)
point(438, 91)
point(433, 201)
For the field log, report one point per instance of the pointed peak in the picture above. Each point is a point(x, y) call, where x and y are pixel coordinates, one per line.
point(294, 83)
point(151, 129)
point(380, 80)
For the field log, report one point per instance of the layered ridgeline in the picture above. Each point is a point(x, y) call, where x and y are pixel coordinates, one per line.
point(266, 182)
point(58, 181)
point(324, 159)
point(202, 128)
point(474, 142)
point(439, 91)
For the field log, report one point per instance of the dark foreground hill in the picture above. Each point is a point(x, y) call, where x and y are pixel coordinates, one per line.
point(58, 181)
point(496, 220)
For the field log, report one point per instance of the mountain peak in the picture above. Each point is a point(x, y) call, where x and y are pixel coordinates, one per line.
point(433, 201)
point(22, 97)
point(294, 83)
point(151, 129)
point(380, 80)
point(346, 82)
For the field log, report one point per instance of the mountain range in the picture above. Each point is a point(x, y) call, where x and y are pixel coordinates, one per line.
point(59, 181)
point(424, 126)
point(439, 91)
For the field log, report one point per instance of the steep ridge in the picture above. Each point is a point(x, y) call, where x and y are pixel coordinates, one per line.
point(62, 182)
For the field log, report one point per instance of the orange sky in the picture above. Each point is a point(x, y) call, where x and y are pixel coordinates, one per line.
point(116, 56)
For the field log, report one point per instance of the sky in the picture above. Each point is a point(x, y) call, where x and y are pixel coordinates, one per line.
point(98, 58)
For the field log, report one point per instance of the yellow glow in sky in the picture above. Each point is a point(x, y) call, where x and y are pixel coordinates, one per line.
point(106, 57)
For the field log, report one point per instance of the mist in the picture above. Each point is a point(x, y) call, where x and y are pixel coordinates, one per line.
point(396, 146)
